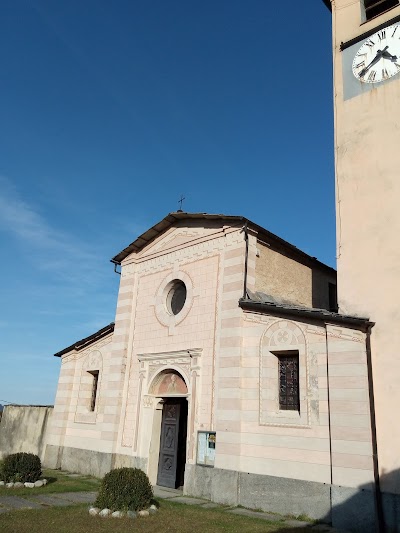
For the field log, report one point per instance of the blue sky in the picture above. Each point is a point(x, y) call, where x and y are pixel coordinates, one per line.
point(109, 111)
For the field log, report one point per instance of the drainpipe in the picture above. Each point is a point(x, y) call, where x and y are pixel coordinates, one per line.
point(329, 416)
point(246, 238)
point(115, 268)
point(378, 494)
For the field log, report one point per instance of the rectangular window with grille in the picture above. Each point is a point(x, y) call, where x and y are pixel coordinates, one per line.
point(373, 8)
point(95, 374)
point(288, 368)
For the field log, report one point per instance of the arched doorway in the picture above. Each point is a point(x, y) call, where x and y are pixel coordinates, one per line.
point(171, 388)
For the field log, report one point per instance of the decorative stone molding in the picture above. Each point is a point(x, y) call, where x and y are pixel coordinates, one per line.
point(150, 366)
point(76, 355)
point(160, 307)
point(280, 337)
point(257, 318)
point(92, 362)
point(346, 334)
point(182, 361)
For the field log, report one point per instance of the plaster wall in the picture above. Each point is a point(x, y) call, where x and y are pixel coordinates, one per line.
point(23, 428)
point(368, 221)
point(329, 441)
point(73, 424)
point(280, 276)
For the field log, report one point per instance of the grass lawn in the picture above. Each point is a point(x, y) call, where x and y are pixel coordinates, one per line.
point(171, 517)
point(57, 482)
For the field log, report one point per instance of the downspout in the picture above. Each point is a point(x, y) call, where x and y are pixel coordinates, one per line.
point(329, 418)
point(115, 268)
point(246, 239)
point(378, 494)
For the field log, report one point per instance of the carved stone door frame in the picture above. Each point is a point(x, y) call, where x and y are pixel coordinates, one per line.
point(186, 363)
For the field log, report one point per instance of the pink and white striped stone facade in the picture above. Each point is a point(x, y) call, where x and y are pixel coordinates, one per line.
point(227, 358)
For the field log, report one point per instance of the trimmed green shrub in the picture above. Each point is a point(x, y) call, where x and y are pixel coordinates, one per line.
point(21, 467)
point(124, 489)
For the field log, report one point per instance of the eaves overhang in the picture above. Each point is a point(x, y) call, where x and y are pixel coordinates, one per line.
point(328, 4)
point(172, 218)
point(87, 341)
point(148, 236)
point(314, 314)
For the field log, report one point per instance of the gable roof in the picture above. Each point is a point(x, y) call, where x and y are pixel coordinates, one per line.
point(87, 341)
point(172, 218)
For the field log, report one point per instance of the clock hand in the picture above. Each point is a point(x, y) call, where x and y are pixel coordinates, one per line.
point(376, 59)
point(387, 55)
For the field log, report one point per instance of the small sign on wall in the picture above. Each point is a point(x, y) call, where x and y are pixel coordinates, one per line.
point(206, 448)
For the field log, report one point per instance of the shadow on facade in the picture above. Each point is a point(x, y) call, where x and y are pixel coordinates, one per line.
point(358, 510)
point(355, 510)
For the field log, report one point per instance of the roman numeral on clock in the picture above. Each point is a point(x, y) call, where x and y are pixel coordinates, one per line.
point(372, 75)
point(385, 74)
point(370, 43)
point(394, 31)
point(382, 35)
point(362, 64)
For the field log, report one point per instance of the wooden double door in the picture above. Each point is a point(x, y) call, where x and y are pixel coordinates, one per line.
point(172, 458)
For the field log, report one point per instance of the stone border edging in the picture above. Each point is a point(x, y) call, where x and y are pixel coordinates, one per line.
point(105, 513)
point(27, 485)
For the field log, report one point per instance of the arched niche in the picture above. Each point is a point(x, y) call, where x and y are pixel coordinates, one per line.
point(168, 383)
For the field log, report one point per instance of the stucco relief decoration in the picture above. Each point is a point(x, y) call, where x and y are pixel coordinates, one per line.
point(281, 337)
point(285, 337)
point(175, 239)
point(148, 401)
point(93, 361)
point(84, 353)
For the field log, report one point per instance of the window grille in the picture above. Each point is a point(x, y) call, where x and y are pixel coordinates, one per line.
point(289, 399)
point(95, 374)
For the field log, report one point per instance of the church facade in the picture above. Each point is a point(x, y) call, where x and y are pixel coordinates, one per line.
point(228, 372)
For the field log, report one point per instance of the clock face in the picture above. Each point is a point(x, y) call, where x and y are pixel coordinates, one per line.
point(378, 59)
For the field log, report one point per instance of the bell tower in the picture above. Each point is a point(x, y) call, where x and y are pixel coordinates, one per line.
point(366, 62)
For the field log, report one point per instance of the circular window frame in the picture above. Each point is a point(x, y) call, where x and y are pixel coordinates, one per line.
point(162, 311)
point(172, 290)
